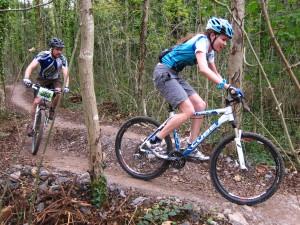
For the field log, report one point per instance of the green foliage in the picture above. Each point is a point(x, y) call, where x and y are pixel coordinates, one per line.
point(175, 11)
point(169, 212)
point(99, 191)
point(163, 211)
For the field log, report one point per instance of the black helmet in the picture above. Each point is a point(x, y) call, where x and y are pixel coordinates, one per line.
point(56, 42)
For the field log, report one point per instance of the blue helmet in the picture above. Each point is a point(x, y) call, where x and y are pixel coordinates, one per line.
point(56, 42)
point(220, 26)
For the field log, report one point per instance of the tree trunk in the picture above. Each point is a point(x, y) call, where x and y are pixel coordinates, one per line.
point(235, 61)
point(39, 27)
point(277, 46)
point(87, 88)
point(3, 17)
point(57, 18)
point(126, 30)
point(2, 95)
point(141, 65)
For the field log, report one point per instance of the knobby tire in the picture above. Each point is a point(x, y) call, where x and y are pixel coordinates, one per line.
point(38, 131)
point(246, 187)
point(136, 163)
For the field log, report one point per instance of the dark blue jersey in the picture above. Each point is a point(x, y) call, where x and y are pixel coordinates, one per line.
point(50, 67)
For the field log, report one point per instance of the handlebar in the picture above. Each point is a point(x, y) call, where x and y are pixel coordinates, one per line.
point(37, 87)
point(233, 98)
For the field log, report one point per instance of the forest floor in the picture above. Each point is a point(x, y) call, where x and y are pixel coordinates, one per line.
point(67, 151)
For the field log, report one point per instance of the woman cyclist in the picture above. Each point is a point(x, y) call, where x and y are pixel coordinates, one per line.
point(198, 50)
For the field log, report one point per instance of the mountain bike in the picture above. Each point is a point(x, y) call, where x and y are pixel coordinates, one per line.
point(245, 167)
point(41, 117)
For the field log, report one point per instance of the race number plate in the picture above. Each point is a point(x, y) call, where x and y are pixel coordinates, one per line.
point(46, 94)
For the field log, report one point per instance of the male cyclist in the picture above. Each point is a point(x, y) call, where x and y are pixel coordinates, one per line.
point(51, 63)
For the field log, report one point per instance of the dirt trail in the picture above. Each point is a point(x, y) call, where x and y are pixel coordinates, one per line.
point(281, 209)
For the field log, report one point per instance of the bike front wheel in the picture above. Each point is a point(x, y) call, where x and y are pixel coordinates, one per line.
point(135, 159)
point(38, 131)
point(263, 173)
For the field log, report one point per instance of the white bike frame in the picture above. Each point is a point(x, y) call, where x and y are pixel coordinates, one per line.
point(227, 116)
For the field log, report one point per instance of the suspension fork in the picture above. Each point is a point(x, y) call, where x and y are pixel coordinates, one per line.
point(37, 110)
point(237, 139)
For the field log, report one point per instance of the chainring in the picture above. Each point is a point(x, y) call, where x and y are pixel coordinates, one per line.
point(177, 159)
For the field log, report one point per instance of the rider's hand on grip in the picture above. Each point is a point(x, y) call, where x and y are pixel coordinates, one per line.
point(27, 82)
point(235, 91)
point(66, 90)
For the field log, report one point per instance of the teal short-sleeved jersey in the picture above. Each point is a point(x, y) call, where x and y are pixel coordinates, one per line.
point(184, 54)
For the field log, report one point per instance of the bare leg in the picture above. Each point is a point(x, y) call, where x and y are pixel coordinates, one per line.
point(56, 99)
point(186, 111)
point(199, 105)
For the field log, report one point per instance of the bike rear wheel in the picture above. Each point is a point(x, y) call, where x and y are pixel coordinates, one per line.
point(132, 158)
point(264, 172)
point(38, 131)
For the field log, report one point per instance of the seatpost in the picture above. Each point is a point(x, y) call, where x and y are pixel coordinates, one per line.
point(171, 110)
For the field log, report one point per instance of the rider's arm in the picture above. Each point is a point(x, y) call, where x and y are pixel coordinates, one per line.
point(207, 70)
point(65, 72)
point(34, 63)
point(213, 67)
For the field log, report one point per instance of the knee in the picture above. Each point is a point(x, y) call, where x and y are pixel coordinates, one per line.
point(36, 101)
point(200, 105)
point(189, 112)
point(187, 109)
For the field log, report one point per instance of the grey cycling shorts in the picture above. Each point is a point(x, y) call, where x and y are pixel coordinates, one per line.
point(171, 86)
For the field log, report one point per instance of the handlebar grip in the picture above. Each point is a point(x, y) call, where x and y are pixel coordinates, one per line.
point(35, 86)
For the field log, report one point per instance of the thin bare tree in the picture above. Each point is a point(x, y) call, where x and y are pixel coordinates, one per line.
point(277, 46)
point(3, 24)
point(280, 112)
point(87, 88)
point(141, 64)
point(39, 27)
point(235, 61)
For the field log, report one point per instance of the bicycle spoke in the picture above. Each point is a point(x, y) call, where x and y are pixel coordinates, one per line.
point(135, 158)
point(138, 160)
point(38, 132)
point(254, 184)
